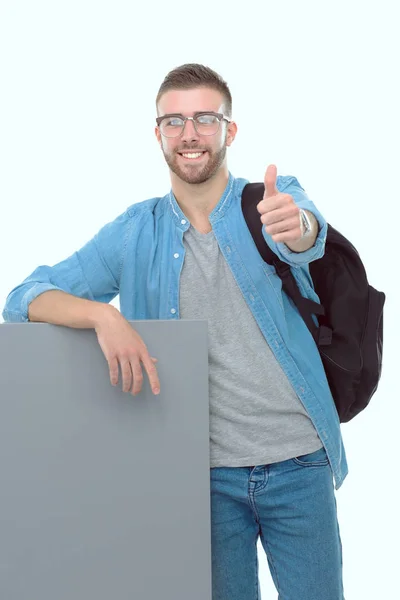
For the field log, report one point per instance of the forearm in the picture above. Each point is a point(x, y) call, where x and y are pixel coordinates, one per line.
point(307, 242)
point(60, 308)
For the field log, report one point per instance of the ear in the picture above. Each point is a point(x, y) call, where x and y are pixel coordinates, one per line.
point(231, 133)
point(158, 134)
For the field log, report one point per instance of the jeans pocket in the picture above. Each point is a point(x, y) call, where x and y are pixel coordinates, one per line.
point(318, 458)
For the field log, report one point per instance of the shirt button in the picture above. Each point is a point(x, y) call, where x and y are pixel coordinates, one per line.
point(173, 311)
point(183, 222)
point(176, 255)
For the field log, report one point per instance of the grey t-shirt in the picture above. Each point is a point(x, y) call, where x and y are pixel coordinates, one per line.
point(255, 415)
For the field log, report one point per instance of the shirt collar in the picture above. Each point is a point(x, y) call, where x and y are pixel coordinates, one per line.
point(224, 202)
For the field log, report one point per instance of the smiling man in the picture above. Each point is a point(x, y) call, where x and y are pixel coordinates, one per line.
point(276, 448)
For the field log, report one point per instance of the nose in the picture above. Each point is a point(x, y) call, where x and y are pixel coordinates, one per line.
point(189, 132)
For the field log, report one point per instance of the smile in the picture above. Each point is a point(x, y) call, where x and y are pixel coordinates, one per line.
point(192, 155)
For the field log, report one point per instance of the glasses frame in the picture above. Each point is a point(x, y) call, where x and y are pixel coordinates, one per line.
point(220, 117)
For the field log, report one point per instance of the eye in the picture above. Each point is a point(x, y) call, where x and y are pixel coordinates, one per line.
point(173, 122)
point(206, 119)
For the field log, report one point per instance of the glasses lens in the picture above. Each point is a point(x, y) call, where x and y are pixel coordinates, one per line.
point(207, 124)
point(171, 127)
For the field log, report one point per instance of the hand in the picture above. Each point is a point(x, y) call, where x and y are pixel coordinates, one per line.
point(122, 345)
point(279, 212)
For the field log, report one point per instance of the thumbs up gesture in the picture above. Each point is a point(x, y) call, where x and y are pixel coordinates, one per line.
point(279, 212)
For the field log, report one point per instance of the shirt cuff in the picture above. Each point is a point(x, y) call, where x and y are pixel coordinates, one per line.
point(32, 293)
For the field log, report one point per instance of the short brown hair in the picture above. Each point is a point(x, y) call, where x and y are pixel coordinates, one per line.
point(193, 75)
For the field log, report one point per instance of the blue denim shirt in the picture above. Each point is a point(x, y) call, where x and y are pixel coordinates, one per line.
point(140, 255)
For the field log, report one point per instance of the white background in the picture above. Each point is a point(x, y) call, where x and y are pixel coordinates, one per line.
point(315, 90)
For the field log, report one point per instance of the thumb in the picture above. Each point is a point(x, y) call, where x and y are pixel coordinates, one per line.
point(270, 181)
point(154, 359)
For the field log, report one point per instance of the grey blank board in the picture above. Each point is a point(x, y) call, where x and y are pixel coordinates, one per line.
point(103, 495)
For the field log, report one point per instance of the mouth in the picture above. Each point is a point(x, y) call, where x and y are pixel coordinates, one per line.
point(193, 156)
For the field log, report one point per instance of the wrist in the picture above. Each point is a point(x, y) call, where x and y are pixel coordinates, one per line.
point(307, 241)
point(308, 224)
point(101, 313)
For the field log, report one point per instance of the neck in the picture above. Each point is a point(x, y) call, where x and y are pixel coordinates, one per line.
point(198, 200)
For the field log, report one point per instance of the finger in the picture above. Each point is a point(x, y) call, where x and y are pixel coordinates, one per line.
point(278, 203)
point(286, 226)
point(287, 236)
point(137, 376)
point(154, 359)
point(270, 181)
point(281, 213)
point(126, 373)
point(152, 375)
point(113, 368)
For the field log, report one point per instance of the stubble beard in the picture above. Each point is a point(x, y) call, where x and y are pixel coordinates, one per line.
point(193, 173)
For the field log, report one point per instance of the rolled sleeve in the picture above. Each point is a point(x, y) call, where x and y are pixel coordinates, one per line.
point(31, 294)
point(290, 185)
point(93, 272)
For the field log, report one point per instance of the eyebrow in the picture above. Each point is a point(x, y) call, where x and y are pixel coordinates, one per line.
point(198, 112)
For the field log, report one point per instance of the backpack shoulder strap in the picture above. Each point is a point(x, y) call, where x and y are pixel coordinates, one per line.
point(252, 194)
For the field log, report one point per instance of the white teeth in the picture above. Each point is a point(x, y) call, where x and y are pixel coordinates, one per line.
point(192, 155)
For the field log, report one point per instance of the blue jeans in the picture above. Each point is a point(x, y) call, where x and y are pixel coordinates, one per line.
point(291, 506)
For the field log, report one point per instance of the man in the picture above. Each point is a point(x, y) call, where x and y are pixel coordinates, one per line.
point(275, 439)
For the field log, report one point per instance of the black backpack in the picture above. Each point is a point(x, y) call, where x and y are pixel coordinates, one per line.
point(349, 334)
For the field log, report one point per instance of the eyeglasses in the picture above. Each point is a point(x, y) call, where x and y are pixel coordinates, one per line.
point(205, 123)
